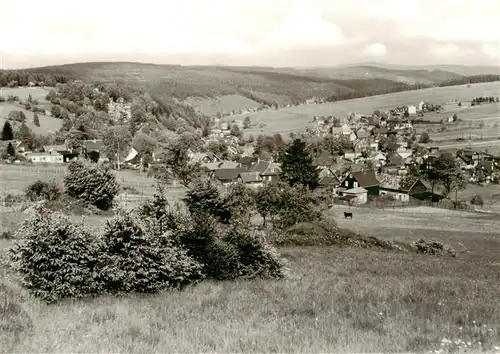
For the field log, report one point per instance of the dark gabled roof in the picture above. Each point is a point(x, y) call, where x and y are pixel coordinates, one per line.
point(394, 160)
point(328, 180)
point(247, 160)
point(393, 146)
point(228, 174)
point(249, 177)
point(93, 144)
point(366, 178)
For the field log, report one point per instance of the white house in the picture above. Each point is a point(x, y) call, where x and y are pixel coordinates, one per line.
point(412, 109)
point(45, 157)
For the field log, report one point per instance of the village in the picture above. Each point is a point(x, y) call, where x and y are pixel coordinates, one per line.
point(384, 150)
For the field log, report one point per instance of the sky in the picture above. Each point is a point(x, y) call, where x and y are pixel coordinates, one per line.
point(250, 32)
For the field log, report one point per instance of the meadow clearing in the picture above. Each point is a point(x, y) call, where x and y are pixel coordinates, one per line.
point(334, 300)
point(294, 119)
point(37, 93)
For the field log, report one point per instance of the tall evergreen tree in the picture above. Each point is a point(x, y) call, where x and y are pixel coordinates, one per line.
point(7, 132)
point(297, 165)
point(10, 149)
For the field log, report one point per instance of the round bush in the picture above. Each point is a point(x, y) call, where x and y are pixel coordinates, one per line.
point(91, 183)
point(43, 190)
point(55, 257)
point(477, 200)
point(135, 261)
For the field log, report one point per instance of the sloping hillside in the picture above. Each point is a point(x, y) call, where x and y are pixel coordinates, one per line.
point(261, 85)
point(212, 90)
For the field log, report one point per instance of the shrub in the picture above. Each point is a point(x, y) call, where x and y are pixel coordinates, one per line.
point(433, 248)
point(42, 190)
point(136, 261)
point(256, 258)
point(91, 183)
point(55, 257)
point(229, 252)
point(477, 200)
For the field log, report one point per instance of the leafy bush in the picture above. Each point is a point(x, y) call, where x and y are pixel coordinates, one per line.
point(43, 190)
point(256, 258)
point(477, 200)
point(136, 261)
point(433, 248)
point(91, 183)
point(204, 198)
point(55, 257)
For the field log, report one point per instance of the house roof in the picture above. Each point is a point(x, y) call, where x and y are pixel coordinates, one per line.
point(328, 180)
point(388, 181)
point(366, 178)
point(358, 190)
point(131, 155)
point(393, 146)
point(249, 177)
point(55, 147)
point(225, 164)
point(336, 130)
point(228, 174)
point(394, 159)
point(380, 131)
point(46, 153)
point(247, 160)
point(93, 144)
point(265, 168)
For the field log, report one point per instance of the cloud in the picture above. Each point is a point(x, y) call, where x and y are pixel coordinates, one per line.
point(266, 31)
point(375, 50)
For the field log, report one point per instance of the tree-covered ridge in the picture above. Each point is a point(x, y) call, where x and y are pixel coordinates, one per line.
point(172, 84)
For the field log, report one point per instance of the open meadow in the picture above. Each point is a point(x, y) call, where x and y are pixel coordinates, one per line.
point(37, 93)
point(135, 185)
point(294, 119)
point(47, 124)
point(334, 300)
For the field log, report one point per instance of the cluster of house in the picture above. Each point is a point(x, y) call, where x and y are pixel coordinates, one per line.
point(56, 154)
point(119, 110)
point(354, 185)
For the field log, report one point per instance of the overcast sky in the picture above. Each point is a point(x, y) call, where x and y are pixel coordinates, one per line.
point(250, 32)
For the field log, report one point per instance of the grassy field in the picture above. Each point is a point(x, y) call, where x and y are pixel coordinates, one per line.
point(296, 118)
point(37, 93)
point(335, 300)
point(137, 186)
point(223, 104)
point(47, 124)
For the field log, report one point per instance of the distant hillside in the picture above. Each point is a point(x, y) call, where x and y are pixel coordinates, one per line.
point(214, 90)
point(261, 85)
point(465, 70)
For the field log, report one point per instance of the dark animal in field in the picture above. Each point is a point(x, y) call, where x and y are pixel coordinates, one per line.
point(347, 215)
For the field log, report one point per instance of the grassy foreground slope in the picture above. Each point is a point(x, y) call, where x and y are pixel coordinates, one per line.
point(335, 300)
